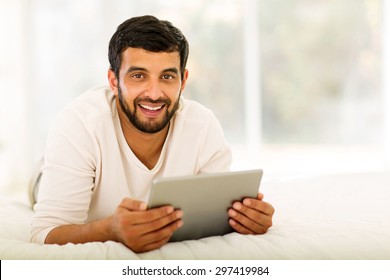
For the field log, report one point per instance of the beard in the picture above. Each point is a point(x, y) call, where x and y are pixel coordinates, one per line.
point(151, 126)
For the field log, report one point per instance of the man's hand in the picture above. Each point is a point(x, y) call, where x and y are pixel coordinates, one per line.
point(251, 216)
point(143, 230)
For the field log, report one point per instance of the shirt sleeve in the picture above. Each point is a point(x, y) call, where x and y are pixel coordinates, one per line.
point(68, 175)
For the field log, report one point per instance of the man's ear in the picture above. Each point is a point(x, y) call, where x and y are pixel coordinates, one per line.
point(184, 80)
point(113, 81)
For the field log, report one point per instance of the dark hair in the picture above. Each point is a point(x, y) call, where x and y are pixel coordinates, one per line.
point(150, 34)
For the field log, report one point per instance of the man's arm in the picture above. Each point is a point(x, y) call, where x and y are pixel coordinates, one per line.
point(132, 224)
point(251, 216)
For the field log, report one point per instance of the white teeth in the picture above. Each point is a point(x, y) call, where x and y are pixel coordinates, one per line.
point(151, 108)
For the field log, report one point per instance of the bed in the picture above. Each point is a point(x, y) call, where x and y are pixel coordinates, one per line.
point(338, 216)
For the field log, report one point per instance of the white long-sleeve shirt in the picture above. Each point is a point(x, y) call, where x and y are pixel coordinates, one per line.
point(89, 168)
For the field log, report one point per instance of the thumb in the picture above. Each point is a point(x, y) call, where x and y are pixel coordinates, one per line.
point(260, 196)
point(133, 205)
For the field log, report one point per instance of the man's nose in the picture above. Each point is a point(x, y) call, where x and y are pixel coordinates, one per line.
point(154, 90)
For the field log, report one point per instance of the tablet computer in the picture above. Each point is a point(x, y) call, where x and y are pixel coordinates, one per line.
point(204, 200)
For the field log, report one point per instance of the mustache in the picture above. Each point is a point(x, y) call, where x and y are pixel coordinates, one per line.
point(160, 100)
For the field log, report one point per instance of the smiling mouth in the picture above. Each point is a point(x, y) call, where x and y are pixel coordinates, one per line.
point(151, 108)
point(150, 111)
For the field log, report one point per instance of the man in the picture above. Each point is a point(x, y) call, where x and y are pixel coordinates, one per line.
point(105, 148)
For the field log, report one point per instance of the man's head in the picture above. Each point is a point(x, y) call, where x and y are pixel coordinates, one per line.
point(150, 34)
point(147, 72)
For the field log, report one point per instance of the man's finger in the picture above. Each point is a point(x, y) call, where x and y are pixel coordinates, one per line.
point(155, 239)
point(161, 222)
point(239, 228)
point(163, 232)
point(252, 222)
point(259, 205)
point(133, 205)
point(148, 216)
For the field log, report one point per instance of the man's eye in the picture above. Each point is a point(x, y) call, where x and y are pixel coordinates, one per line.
point(167, 77)
point(138, 76)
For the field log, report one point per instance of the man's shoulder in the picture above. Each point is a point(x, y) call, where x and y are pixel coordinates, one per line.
point(193, 110)
point(94, 103)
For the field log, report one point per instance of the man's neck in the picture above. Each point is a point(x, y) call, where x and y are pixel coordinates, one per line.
point(147, 147)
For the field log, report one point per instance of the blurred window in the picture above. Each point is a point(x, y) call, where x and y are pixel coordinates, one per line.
point(296, 84)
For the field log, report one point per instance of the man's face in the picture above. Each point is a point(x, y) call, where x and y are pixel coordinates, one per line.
point(149, 88)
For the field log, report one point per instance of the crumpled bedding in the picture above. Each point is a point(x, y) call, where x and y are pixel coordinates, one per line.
point(339, 216)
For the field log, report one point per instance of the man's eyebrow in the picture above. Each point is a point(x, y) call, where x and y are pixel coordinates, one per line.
point(173, 70)
point(135, 68)
point(138, 68)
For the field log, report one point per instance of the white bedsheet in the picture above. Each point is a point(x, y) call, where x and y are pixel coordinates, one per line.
point(345, 216)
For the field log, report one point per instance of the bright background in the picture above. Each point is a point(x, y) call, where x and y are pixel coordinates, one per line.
point(301, 87)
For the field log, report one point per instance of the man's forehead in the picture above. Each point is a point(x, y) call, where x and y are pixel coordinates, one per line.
point(137, 57)
point(139, 52)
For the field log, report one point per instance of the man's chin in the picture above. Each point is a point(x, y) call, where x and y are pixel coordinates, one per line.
point(149, 126)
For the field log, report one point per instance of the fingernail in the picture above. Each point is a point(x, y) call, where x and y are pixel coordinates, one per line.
point(170, 209)
point(237, 205)
point(143, 206)
point(232, 222)
point(232, 213)
point(179, 223)
point(247, 202)
point(179, 214)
